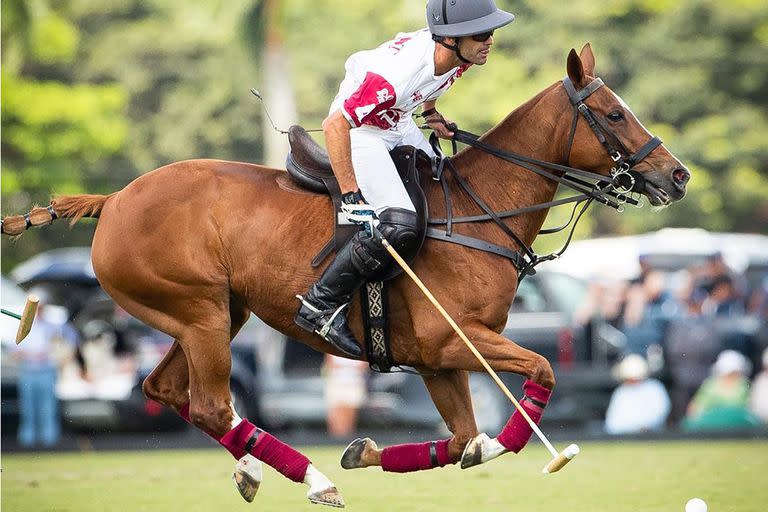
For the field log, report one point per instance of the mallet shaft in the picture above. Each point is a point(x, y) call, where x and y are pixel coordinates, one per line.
point(11, 313)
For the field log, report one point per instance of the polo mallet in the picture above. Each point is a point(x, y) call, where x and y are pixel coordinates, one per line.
point(26, 318)
point(558, 459)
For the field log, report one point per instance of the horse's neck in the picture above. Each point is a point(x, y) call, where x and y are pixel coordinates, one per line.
point(535, 129)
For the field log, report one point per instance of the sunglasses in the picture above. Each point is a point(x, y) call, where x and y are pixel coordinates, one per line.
point(482, 37)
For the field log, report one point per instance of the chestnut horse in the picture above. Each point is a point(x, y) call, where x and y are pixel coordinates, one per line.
point(194, 247)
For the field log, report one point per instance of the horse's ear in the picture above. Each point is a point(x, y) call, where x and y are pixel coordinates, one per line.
point(588, 60)
point(575, 69)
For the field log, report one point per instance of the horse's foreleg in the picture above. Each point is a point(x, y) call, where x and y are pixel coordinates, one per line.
point(450, 393)
point(504, 355)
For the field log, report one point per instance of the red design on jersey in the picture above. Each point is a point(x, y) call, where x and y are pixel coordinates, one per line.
point(397, 45)
point(370, 103)
point(462, 69)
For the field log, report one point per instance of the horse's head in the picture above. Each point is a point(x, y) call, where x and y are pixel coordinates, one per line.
point(613, 142)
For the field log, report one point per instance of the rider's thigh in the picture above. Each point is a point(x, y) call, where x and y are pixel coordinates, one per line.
point(375, 172)
point(413, 136)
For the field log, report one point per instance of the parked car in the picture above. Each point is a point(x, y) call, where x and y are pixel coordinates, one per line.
point(101, 388)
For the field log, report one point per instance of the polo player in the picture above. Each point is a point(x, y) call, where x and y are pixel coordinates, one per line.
point(372, 114)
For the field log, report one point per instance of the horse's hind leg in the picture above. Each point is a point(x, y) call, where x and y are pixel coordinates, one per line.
point(168, 384)
point(450, 393)
point(208, 355)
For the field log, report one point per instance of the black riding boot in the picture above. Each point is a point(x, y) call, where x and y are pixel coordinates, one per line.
point(322, 310)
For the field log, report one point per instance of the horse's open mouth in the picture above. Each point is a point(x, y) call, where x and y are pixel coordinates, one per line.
point(656, 195)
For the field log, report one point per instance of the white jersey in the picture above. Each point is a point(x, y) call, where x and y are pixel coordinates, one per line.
point(384, 86)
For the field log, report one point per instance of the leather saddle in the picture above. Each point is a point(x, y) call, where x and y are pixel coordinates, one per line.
point(309, 167)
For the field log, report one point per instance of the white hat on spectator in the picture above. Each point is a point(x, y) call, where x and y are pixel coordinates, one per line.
point(731, 361)
point(632, 367)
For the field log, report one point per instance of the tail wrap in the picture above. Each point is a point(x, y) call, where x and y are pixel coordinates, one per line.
point(71, 207)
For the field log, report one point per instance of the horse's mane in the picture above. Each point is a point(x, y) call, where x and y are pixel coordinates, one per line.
point(515, 117)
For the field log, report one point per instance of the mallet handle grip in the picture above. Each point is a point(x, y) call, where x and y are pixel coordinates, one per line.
point(391, 250)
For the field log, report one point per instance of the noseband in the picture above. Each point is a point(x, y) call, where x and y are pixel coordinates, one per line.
point(612, 191)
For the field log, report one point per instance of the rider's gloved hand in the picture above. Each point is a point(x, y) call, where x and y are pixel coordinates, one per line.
point(355, 210)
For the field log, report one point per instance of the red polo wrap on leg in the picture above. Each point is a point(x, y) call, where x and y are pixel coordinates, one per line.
point(280, 456)
point(405, 458)
point(234, 440)
point(517, 432)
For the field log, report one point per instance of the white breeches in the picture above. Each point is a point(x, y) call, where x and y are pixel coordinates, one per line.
point(374, 170)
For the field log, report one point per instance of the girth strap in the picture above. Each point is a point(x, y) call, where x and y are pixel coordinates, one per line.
point(515, 256)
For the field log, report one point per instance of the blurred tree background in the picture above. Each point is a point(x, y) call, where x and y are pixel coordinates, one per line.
point(94, 93)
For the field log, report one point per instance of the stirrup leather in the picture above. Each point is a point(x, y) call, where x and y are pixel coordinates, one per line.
point(319, 313)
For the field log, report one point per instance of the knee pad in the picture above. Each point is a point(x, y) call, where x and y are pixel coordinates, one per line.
point(400, 227)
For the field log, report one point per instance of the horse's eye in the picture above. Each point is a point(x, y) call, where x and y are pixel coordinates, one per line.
point(616, 115)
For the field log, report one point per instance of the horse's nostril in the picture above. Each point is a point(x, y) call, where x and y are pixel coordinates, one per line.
point(681, 176)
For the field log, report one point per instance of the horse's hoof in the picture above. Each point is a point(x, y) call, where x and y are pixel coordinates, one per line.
point(473, 452)
point(479, 450)
point(330, 497)
point(352, 458)
point(246, 480)
point(246, 486)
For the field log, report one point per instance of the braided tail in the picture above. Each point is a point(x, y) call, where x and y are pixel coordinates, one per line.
point(71, 207)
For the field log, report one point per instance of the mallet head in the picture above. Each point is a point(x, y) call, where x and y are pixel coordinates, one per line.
point(25, 323)
point(562, 459)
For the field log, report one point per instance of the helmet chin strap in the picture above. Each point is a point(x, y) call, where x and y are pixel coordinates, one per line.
point(441, 41)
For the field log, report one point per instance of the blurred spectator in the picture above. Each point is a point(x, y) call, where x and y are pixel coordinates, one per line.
point(644, 263)
point(692, 345)
point(758, 399)
point(722, 299)
point(345, 391)
point(39, 416)
point(716, 273)
point(639, 404)
point(605, 300)
point(649, 308)
point(758, 300)
point(721, 401)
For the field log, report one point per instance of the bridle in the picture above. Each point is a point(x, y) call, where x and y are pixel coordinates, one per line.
point(614, 191)
point(625, 179)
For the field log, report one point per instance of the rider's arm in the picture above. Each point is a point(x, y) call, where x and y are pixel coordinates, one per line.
point(336, 129)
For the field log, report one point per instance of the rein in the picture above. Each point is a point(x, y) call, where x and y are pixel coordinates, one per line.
point(611, 191)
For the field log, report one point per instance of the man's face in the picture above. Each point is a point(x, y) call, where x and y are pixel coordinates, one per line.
point(475, 51)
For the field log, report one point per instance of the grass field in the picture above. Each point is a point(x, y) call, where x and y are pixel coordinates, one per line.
point(606, 477)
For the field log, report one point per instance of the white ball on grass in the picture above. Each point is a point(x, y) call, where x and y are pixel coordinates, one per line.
point(696, 505)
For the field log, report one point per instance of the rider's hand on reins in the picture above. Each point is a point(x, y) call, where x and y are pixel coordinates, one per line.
point(442, 127)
